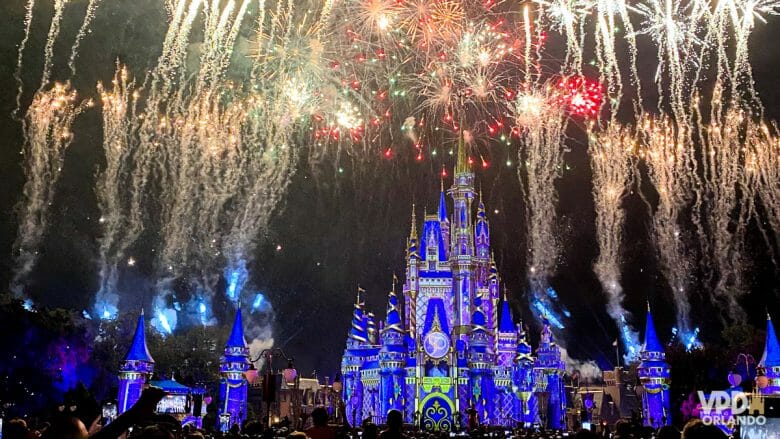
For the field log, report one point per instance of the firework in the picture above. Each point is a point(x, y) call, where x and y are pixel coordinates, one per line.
point(611, 154)
point(48, 133)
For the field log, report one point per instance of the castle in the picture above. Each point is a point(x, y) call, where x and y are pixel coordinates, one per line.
point(449, 347)
point(457, 347)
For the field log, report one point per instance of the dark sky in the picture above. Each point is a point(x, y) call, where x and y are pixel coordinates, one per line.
point(339, 230)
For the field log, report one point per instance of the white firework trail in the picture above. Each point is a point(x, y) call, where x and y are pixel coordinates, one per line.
point(668, 152)
point(120, 141)
point(54, 32)
point(89, 15)
point(48, 133)
point(611, 155)
point(28, 17)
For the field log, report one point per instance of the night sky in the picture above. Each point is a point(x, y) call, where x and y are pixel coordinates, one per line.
point(338, 230)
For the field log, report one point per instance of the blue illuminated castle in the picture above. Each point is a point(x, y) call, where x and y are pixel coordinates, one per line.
point(453, 344)
point(135, 370)
point(233, 386)
point(654, 374)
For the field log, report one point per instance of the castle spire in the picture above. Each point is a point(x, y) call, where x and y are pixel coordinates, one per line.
point(651, 339)
point(393, 320)
point(138, 350)
point(236, 338)
point(462, 165)
point(442, 203)
point(413, 233)
point(771, 357)
point(358, 332)
point(505, 323)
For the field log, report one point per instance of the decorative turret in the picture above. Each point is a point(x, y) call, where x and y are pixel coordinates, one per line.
point(654, 374)
point(371, 328)
point(136, 368)
point(411, 248)
point(233, 386)
point(392, 359)
point(524, 351)
point(548, 380)
point(523, 378)
point(444, 219)
point(358, 333)
point(412, 278)
point(462, 250)
point(482, 232)
point(507, 335)
point(480, 363)
point(770, 361)
point(358, 352)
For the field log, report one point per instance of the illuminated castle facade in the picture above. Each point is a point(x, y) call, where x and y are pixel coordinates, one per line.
point(452, 345)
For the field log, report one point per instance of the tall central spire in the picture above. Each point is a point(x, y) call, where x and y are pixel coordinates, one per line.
point(462, 166)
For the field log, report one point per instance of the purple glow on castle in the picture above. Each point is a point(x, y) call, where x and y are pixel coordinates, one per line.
point(453, 350)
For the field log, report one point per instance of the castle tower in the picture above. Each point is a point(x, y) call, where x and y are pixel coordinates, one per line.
point(523, 379)
point(548, 381)
point(480, 364)
point(392, 360)
point(462, 251)
point(352, 363)
point(444, 220)
point(771, 360)
point(371, 328)
point(654, 375)
point(506, 345)
point(233, 386)
point(507, 336)
point(411, 287)
point(135, 370)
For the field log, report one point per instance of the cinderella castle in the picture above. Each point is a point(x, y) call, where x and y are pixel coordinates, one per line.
point(453, 346)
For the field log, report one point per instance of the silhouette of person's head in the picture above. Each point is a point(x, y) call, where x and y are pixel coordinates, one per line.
point(319, 417)
point(395, 420)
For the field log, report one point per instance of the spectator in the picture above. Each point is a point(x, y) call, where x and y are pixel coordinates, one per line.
point(395, 424)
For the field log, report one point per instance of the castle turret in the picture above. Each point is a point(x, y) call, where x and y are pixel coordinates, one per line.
point(371, 328)
point(411, 287)
point(233, 386)
point(523, 378)
point(654, 374)
point(136, 368)
point(354, 358)
point(462, 256)
point(392, 359)
point(444, 219)
point(507, 336)
point(482, 232)
point(480, 363)
point(548, 381)
point(770, 361)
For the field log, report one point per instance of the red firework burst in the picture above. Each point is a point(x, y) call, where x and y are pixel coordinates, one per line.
point(580, 95)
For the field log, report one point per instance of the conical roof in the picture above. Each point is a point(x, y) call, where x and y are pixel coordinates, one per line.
point(236, 338)
point(771, 356)
point(651, 339)
point(505, 323)
point(138, 350)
